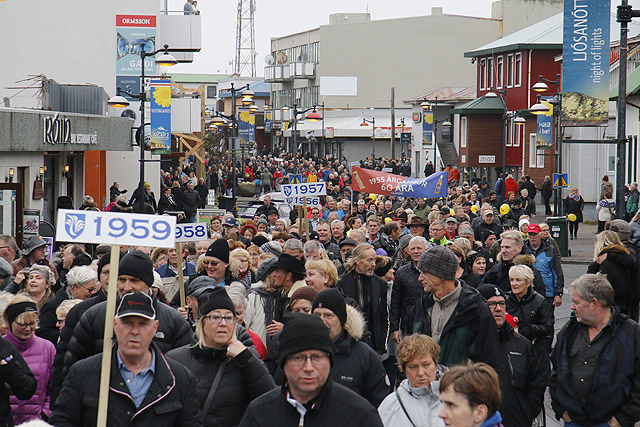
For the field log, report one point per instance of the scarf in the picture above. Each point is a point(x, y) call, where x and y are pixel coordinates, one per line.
point(575, 197)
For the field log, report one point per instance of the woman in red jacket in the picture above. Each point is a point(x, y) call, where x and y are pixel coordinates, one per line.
point(510, 185)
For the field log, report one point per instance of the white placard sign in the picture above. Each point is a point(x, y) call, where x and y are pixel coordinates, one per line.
point(306, 189)
point(191, 232)
point(486, 159)
point(356, 163)
point(211, 197)
point(387, 169)
point(299, 201)
point(116, 228)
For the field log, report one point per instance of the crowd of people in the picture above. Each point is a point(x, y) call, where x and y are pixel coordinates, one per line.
point(387, 311)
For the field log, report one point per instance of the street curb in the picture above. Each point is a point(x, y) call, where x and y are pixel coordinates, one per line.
point(575, 261)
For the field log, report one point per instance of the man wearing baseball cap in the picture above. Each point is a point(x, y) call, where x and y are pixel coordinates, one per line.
point(135, 274)
point(549, 266)
point(145, 387)
point(452, 313)
point(230, 227)
point(308, 396)
point(521, 377)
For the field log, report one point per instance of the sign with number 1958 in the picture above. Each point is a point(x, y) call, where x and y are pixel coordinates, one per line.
point(191, 232)
point(115, 228)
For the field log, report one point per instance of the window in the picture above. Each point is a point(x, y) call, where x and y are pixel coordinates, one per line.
point(463, 132)
point(517, 73)
point(532, 151)
point(314, 52)
point(612, 158)
point(212, 92)
point(489, 72)
point(540, 154)
point(315, 90)
point(499, 71)
point(509, 70)
point(483, 74)
point(508, 129)
point(518, 134)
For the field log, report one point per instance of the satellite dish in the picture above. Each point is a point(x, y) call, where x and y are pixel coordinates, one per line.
point(269, 59)
point(281, 58)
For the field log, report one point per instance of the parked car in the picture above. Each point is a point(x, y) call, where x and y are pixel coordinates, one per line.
point(277, 199)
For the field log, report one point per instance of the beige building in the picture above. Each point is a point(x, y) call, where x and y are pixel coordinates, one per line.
point(367, 58)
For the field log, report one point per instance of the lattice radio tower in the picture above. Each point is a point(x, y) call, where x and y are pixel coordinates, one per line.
point(245, 61)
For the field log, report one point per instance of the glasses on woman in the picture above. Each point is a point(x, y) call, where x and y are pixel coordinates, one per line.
point(26, 325)
point(91, 290)
point(215, 318)
point(212, 263)
point(301, 359)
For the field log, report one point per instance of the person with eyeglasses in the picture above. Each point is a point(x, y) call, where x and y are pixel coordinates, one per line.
point(216, 351)
point(308, 396)
point(21, 315)
point(82, 284)
point(521, 376)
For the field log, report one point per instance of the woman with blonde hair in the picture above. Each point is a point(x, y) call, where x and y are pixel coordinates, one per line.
point(215, 351)
point(321, 274)
point(611, 258)
point(21, 315)
point(416, 401)
point(241, 266)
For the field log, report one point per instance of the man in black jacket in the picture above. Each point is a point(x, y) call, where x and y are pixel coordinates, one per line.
point(135, 274)
point(521, 377)
point(369, 292)
point(308, 397)
point(406, 288)
point(17, 380)
point(190, 202)
point(595, 378)
point(145, 388)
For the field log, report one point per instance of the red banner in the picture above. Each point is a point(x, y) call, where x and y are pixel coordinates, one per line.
point(370, 181)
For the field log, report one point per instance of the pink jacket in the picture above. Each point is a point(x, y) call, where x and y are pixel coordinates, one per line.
point(39, 354)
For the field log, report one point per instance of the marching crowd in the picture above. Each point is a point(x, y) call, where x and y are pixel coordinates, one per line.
point(394, 312)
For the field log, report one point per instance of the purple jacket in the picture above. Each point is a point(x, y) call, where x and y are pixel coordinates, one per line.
point(39, 354)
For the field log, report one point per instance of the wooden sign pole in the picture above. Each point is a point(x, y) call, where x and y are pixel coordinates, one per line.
point(306, 221)
point(183, 298)
point(107, 345)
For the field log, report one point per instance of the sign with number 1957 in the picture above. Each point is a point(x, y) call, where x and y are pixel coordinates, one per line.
point(116, 228)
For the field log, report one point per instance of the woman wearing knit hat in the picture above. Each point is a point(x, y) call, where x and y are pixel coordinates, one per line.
point(356, 365)
point(217, 351)
point(21, 315)
point(39, 283)
point(302, 300)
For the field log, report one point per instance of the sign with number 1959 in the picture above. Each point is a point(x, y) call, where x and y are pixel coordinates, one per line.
point(191, 232)
point(116, 228)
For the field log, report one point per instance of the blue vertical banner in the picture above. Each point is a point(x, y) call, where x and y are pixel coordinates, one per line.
point(427, 127)
point(246, 125)
point(544, 129)
point(585, 63)
point(161, 116)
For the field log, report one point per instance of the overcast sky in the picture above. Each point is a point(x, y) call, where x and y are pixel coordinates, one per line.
point(276, 18)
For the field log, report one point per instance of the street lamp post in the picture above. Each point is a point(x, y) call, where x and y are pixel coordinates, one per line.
point(119, 101)
point(314, 116)
point(364, 123)
point(426, 106)
point(540, 108)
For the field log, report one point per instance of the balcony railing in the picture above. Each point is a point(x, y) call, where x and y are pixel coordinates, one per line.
point(277, 73)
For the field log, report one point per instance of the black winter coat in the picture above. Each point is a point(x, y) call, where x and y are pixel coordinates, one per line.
point(370, 293)
point(470, 334)
point(535, 320)
point(190, 202)
point(17, 380)
point(619, 267)
point(482, 228)
point(336, 406)
point(499, 273)
point(170, 401)
point(521, 378)
point(87, 339)
point(167, 204)
point(48, 319)
point(616, 380)
point(244, 378)
point(404, 294)
point(572, 206)
point(359, 368)
point(60, 370)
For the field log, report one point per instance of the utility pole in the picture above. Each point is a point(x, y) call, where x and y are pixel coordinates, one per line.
point(393, 123)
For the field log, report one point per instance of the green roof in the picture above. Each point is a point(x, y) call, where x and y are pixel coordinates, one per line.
point(198, 78)
point(482, 105)
point(633, 85)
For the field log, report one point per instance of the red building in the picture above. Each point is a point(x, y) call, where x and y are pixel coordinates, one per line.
point(506, 70)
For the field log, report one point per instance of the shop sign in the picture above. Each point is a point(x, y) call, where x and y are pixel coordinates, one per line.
point(57, 130)
point(486, 159)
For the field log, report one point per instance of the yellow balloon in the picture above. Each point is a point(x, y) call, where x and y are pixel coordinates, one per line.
point(373, 196)
point(504, 209)
point(572, 217)
point(387, 220)
point(451, 212)
point(474, 208)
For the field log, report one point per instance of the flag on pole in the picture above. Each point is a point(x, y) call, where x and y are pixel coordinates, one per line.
point(370, 181)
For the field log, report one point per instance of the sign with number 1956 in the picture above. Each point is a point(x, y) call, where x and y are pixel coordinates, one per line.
point(115, 228)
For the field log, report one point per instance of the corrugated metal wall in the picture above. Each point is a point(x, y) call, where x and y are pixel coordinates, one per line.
point(82, 99)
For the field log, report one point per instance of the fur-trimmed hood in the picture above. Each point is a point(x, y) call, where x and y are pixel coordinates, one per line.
point(527, 259)
point(615, 248)
point(355, 324)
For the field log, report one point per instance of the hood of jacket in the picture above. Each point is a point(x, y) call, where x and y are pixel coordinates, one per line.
point(432, 389)
point(615, 248)
point(355, 324)
point(524, 259)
